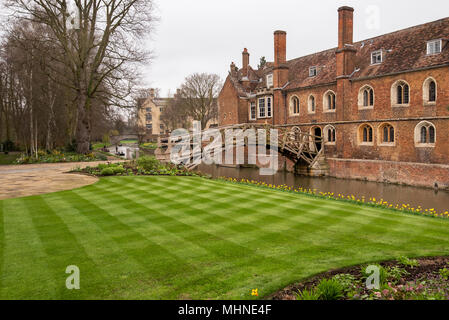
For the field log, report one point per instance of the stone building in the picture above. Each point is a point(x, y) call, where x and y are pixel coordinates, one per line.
point(150, 116)
point(381, 105)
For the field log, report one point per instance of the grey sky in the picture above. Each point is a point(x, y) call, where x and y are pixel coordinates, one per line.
point(207, 35)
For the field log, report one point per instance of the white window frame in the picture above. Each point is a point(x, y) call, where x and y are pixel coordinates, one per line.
point(269, 80)
point(375, 61)
point(269, 107)
point(251, 106)
point(431, 46)
point(313, 72)
point(259, 115)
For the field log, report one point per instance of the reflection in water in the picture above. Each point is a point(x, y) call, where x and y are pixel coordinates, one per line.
point(394, 194)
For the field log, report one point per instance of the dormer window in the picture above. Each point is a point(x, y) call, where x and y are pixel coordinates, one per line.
point(376, 57)
point(434, 46)
point(313, 72)
point(269, 80)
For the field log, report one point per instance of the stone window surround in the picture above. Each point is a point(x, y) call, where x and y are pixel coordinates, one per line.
point(325, 102)
point(309, 104)
point(292, 106)
point(380, 135)
point(394, 97)
point(360, 98)
point(360, 135)
point(325, 135)
point(417, 135)
point(426, 84)
point(266, 107)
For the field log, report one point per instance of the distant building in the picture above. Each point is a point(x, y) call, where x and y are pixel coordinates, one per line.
point(150, 112)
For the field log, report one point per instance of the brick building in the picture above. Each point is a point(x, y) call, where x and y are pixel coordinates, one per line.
point(381, 105)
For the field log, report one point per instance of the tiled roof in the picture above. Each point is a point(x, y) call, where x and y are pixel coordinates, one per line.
point(403, 50)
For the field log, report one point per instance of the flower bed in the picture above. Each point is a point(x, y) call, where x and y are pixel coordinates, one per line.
point(404, 279)
point(144, 166)
point(58, 156)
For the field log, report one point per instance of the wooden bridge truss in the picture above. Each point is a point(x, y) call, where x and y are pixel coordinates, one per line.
point(292, 143)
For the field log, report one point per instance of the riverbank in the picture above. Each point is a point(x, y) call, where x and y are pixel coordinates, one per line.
point(392, 193)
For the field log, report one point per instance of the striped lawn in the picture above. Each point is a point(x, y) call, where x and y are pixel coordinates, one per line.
point(192, 238)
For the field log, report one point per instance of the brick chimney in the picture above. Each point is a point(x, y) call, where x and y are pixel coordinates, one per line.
point(245, 59)
point(346, 51)
point(280, 75)
point(280, 70)
point(345, 62)
point(280, 47)
point(152, 93)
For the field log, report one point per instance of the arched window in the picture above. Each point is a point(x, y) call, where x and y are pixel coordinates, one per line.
point(329, 134)
point(329, 101)
point(430, 91)
point(366, 97)
point(425, 134)
point(311, 103)
point(366, 135)
point(400, 93)
point(386, 134)
point(294, 105)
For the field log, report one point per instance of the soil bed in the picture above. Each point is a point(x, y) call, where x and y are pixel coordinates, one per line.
point(427, 270)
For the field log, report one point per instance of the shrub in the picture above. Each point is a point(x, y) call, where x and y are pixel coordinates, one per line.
point(308, 295)
point(148, 163)
point(107, 172)
point(330, 290)
point(118, 169)
point(406, 262)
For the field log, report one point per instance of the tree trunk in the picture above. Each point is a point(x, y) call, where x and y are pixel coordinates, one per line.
point(83, 127)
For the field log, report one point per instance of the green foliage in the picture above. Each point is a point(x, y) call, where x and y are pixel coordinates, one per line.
point(395, 274)
point(262, 63)
point(444, 273)
point(308, 295)
point(330, 289)
point(406, 262)
point(56, 156)
point(107, 172)
point(383, 274)
point(106, 140)
point(148, 163)
point(347, 281)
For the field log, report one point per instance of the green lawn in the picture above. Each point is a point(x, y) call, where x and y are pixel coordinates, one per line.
point(178, 237)
point(8, 158)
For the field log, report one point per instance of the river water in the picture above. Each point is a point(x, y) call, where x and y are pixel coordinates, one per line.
point(393, 194)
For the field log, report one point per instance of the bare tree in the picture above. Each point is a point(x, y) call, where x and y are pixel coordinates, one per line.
point(175, 114)
point(198, 95)
point(100, 45)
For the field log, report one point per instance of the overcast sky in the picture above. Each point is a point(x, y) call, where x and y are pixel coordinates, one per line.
point(207, 35)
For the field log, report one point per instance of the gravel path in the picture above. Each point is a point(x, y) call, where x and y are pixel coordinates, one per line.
point(35, 179)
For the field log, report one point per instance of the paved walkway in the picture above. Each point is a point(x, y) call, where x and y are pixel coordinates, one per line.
point(34, 179)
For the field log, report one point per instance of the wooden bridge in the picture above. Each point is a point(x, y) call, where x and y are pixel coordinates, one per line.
point(301, 148)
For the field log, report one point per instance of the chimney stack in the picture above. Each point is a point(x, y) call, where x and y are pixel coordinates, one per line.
point(346, 51)
point(245, 59)
point(280, 47)
point(345, 27)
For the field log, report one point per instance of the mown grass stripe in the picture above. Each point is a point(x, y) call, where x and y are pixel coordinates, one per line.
point(63, 250)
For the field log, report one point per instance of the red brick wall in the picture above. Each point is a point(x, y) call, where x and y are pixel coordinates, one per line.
point(416, 174)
